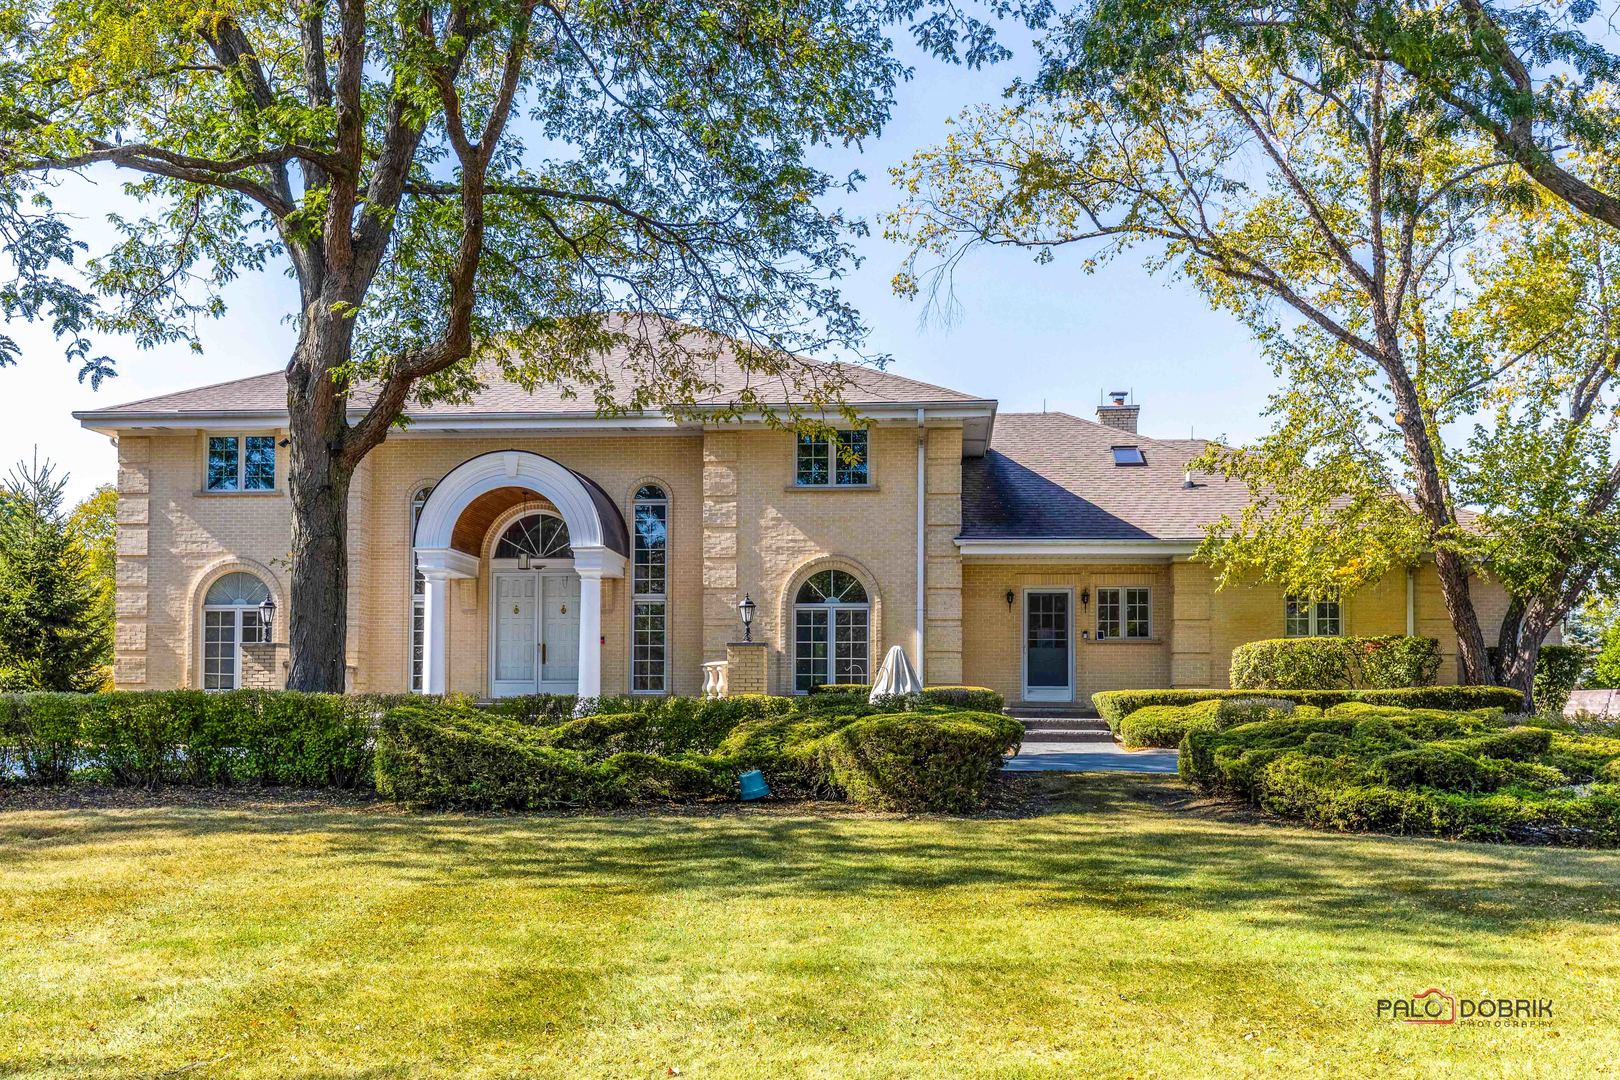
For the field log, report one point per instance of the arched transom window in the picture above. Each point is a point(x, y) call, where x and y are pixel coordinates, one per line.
point(230, 620)
point(831, 631)
point(538, 536)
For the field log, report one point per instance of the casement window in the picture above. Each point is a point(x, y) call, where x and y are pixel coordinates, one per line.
point(418, 596)
point(230, 620)
point(649, 571)
point(1124, 613)
point(241, 463)
point(1306, 618)
point(836, 461)
point(831, 631)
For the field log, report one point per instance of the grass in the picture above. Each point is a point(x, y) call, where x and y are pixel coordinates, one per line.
point(1116, 933)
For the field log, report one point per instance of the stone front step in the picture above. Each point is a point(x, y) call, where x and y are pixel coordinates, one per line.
point(1064, 723)
point(1066, 735)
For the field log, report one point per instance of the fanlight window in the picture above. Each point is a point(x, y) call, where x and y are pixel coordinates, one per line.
point(831, 587)
point(539, 536)
point(237, 590)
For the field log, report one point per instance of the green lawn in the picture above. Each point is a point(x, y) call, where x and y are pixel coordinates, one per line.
point(1115, 933)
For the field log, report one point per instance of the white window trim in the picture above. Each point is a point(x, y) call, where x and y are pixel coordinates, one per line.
point(241, 438)
point(831, 482)
point(650, 598)
point(1313, 617)
point(1124, 619)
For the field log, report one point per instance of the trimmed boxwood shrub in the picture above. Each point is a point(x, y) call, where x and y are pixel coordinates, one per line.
point(853, 695)
point(1336, 663)
point(1393, 661)
point(939, 762)
point(1456, 774)
point(1166, 725)
point(1114, 705)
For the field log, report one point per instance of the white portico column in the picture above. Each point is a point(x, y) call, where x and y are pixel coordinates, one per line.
point(593, 564)
point(436, 629)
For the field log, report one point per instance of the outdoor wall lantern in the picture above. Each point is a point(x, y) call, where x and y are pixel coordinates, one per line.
point(1010, 599)
point(1085, 599)
point(524, 560)
point(267, 620)
point(746, 610)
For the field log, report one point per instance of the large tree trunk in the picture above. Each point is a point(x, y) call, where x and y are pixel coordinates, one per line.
point(1473, 659)
point(318, 480)
point(1519, 663)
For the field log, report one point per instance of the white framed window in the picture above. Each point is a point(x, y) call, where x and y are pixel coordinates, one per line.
point(832, 619)
point(649, 572)
point(241, 463)
point(1307, 618)
point(837, 461)
point(1125, 612)
point(230, 620)
point(418, 595)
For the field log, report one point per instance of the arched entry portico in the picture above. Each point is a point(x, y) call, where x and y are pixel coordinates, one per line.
point(595, 527)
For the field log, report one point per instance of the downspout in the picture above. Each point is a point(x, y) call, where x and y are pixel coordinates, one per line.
point(922, 538)
point(1411, 602)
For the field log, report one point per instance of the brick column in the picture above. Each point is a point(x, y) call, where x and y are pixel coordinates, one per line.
point(130, 593)
point(745, 668)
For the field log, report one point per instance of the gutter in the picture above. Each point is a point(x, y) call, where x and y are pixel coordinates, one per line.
point(1072, 546)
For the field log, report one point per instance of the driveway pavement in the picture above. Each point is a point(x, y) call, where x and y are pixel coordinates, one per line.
point(1089, 757)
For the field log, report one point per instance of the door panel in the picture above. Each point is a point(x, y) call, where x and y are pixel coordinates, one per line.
point(516, 643)
point(1047, 664)
point(559, 631)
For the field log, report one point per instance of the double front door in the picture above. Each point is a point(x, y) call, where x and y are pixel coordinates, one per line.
point(535, 637)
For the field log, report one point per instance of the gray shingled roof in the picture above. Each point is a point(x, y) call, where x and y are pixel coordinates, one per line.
point(267, 393)
point(1052, 476)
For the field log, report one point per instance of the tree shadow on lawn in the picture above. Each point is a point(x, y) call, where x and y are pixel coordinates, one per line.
point(1121, 845)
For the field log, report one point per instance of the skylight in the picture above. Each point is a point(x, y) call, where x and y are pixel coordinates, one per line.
point(1129, 455)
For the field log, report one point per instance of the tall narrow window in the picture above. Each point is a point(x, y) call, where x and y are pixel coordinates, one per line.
point(418, 596)
point(1124, 613)
point(649, 570)
point(831, 631)
point(230, 620)
point(1308, 618)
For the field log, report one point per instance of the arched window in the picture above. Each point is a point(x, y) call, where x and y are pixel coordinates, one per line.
point(650, 587)
point(230, 620)
point(537, 536)
point(831, 631)
point(418, 595)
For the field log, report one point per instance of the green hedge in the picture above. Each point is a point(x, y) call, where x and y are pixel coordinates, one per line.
point(1164, 726)
point(1437, 772)
point(452, 756)
point(148, 738)
point(1114, 705)
point(853, 695)
point(1336, 663)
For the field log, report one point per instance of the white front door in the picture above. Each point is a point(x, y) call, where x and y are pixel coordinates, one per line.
point(535, 633)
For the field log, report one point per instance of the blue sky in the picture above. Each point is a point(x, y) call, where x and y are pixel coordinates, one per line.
point(1023, 334)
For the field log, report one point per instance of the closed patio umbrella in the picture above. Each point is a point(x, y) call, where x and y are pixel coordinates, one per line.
point(896, 676)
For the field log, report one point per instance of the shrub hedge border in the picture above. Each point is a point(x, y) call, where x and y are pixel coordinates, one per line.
point(1114, 705)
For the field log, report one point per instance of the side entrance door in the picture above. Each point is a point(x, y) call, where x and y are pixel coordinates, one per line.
point(1048, 637)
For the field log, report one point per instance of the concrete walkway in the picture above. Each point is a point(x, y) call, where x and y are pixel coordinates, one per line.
point(1089, 757)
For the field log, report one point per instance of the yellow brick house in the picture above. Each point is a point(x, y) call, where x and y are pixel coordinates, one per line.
point(518, 542)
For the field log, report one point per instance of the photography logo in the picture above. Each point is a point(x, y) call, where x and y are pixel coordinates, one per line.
point(1435, 1006)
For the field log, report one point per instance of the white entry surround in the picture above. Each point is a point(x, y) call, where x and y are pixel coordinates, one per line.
point(599, 550)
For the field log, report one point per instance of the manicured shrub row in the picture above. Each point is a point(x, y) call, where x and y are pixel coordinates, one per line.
point(190, 737)
point(1445, 773)
point(1114, 705)
point(1336, 663)
point(665, 724)
point(840, 695)
point(1165, 726)
point(453, 756)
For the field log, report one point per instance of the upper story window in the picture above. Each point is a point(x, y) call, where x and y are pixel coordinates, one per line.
point(1306, 618)
point(1129, 455)
point(836, 461)
point(241, 463)
point(1124, 613)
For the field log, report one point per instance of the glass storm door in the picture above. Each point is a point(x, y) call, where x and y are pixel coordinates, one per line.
point(559, 634)
point(517, 626)
point(1047, 666)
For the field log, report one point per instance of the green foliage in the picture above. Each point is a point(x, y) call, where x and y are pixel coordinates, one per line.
point(54, 631)
point(452, 755)
point(1445, 773)
point(936, 762)
point(1166, 725)
point(1114, 705)
point(1336, 663)
point(1559, 669)
point(149, 738)
point(1394, 661)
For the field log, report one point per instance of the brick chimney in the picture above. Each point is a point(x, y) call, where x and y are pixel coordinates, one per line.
point(1118, 415)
